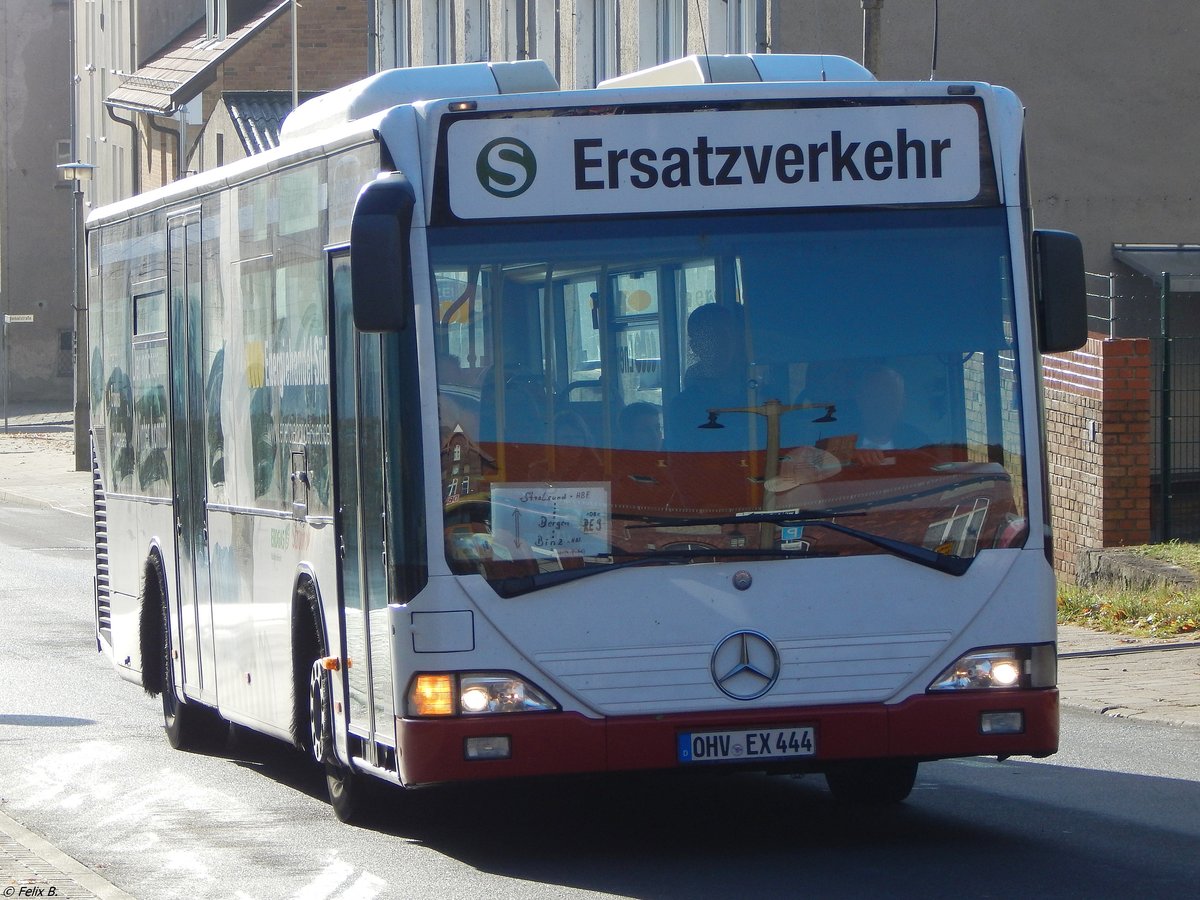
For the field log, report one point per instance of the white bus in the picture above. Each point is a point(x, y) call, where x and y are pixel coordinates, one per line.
point(485, 430)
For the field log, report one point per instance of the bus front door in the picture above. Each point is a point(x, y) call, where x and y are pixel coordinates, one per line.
point(195, 636)
point(360, 490)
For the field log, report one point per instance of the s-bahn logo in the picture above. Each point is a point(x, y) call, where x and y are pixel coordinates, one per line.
point(506, 167)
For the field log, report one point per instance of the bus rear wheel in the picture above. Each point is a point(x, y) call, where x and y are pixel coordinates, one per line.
point(344, 786)
point(189, 726)
point(876, 782)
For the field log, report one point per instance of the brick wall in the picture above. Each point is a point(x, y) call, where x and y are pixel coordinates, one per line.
point(331, 50)
point(1098, 444)
point(157, 152)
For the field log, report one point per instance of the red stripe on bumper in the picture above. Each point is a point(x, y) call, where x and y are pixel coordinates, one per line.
point(928, 727)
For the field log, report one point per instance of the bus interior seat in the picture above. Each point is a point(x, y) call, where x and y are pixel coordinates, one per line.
point(525, 407)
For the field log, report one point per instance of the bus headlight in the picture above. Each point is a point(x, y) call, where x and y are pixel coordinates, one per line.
point(1003, 667)
point(473, 694)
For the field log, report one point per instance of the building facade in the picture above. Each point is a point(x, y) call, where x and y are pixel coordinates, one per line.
point(583, 41)
point(1109, 89)
point(36, 205)
point(149, 74)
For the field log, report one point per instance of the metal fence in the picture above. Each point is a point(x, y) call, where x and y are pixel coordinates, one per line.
point(1175, 424)
point(1173, 327)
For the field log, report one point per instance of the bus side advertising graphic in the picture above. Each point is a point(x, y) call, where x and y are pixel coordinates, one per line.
point(715, 160)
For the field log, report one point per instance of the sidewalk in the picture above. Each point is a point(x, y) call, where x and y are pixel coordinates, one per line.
point(37, 468)
point(37, 461)
point(1137, 678)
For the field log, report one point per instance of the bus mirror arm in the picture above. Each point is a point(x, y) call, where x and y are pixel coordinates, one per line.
point(380, 270)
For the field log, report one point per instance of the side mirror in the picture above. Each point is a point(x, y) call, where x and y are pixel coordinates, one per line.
point(1059, 291)
point(380, 273)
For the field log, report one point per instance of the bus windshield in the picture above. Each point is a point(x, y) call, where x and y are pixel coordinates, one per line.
point(682, 389)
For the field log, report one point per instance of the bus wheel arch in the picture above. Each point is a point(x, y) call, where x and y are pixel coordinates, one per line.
point(189, 725)
point(151, 633)
point(309, 643)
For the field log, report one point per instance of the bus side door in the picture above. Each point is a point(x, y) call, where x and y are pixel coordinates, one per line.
point(360, 498)
point(195, 641)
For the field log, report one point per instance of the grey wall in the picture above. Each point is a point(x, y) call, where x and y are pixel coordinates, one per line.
point(161, 21)
point(36, 207)
point(1112, 91)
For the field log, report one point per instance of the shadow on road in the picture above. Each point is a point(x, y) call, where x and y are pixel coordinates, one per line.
point(973, 828)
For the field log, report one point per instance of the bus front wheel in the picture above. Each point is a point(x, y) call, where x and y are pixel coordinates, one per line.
point(345, 787)
point(877, 782)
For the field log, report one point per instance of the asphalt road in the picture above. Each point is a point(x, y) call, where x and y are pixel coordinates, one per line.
point(84, 762)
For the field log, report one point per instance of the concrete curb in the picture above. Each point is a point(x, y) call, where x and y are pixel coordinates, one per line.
point(16, 499)
point(30, 862)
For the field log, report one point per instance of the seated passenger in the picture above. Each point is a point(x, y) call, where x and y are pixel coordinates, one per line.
point(879, 402)
point(640, 427)
point(716, 380)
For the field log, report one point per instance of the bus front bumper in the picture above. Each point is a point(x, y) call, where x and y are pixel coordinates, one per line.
point(931, 726)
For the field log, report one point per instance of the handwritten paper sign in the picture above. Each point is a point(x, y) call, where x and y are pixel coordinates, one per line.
point(539, 521)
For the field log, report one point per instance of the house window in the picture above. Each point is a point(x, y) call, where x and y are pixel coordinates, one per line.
point(527, 29)
point(401, 50)
point(546, 42)
point(216, 20)
point(445, 31)
point(63, 366)
point(742, 26)
point(477, 30)
point(607, 35)
point(672, 29)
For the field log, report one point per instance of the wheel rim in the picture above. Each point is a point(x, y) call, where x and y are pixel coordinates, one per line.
point(317, 705)
point(169, 702)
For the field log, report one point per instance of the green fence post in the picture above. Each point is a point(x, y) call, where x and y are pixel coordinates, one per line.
point(1164, 407)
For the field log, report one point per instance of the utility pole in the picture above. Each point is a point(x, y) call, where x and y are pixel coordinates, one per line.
point(872, 35)
point(78, 172)
point(295, 58)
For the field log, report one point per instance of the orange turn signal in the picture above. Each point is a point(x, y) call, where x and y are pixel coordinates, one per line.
point(432, 695)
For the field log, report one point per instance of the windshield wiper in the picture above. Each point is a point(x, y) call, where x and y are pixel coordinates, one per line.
point(942, 562)
point(523, 584)
point(776, 516)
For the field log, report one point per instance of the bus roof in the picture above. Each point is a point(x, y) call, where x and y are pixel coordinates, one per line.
point(361, 111)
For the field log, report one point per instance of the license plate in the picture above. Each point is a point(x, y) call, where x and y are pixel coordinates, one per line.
point(747, 745)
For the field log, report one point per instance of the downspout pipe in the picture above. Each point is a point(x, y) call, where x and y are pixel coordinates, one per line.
point(171, 132)
point(135, 186)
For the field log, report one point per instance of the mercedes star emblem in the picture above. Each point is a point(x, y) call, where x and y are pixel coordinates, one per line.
point(745, 665)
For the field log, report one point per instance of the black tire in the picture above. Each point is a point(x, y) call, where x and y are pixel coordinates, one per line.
point(346, 794)
point(882, 782)
point(189, 725)
point(345, 786)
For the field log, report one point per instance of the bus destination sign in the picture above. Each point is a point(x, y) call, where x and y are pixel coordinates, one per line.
point(540, 166)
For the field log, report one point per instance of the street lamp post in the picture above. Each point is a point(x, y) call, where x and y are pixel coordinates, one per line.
point(295, 58)
point(872, 34)
point(79, 172)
